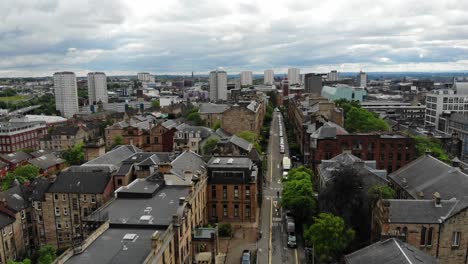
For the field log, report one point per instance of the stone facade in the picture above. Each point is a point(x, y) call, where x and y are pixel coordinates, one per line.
point(240, 118)
point(63, 138)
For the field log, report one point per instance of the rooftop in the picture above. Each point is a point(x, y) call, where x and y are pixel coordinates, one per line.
point(111, 247)
point(390, 251)
point(15, 157)
point(80, 182)
point(210, 108)
point(46, 161)
point(422, 211)
point(233, 162)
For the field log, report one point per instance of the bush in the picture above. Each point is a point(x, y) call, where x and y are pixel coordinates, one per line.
point(225, 230)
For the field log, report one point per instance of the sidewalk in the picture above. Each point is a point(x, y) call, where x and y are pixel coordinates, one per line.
point(243, 238)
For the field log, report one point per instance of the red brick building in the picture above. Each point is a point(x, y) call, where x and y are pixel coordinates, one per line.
point(391, 150)
point(21, 135)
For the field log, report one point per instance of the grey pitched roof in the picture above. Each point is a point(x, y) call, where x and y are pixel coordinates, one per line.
point(427, 175)
point(16, 157)
point(80, 182)
point(65, 130)
point(240, 142)
point(46, 161)
point(16, 197)
point(329, 130)
point(5, 220)
point(169, 124)
point(39, 187)
point(39, 153)
point(210, 108)
point(419, 211)
point(114, 157)
point(188, 161)
point(390, 251)
point(124, 169)
point(204, 131)
point(223, 133)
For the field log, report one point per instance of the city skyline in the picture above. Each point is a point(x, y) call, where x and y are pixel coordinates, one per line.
point(177, 38)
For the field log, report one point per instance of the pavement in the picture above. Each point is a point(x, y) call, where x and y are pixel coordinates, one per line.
point(243, 238)
point(272, 247)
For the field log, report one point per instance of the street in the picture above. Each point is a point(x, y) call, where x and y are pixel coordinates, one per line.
point(272, 247)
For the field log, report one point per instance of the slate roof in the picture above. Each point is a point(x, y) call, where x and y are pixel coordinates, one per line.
point(422, 211)
point(6, 220)
point(39, 187)
point(187, 161)
point(169, 124)
point(210, 108)
point(240, 142)
point(65, 130)
point(427, 175)
point(329, 130)
point(230, 162)
point(46, 161)
point(223, 133)
point(114, 157)
point(204, 131)
point(390, 251)
point(80, 182)
point(16, 157)
point(38, 153)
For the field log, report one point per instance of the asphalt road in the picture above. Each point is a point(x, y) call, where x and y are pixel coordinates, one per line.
point(272, 247)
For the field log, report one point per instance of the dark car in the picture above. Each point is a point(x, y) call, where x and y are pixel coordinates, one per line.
point(245, 259)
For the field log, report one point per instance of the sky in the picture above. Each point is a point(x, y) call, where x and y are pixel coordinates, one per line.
point(40, 37)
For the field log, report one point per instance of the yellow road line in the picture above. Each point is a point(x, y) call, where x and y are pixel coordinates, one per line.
point(295, 254)
point(271, 225)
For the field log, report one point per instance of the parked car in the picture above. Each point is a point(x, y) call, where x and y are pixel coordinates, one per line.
point(245, 259)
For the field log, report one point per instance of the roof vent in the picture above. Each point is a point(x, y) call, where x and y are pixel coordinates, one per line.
point(181, 200)
point(404, 182)
point(437, 199)
point(148, 210)
point(216, 161)
point(230, 161)
point(146, 218)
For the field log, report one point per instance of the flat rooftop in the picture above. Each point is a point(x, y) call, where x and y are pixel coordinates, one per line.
point(233, 162)
point(111, 247)
point(158, 209)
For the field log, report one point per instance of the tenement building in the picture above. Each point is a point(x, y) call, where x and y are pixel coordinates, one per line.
point(21, 135)
point(232, 190)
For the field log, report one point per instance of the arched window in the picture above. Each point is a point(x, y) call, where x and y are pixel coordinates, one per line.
point(423, 236)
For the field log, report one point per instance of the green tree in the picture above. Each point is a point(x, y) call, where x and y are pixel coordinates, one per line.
point(329, 236)
point(196, 118)
point(252, 138)
point(47, 254)
point(118, 140)
point(21, 174)
point(225, 230)
point(217, 125)
point(433, 145)
point(155, 105)
point(361, 120)
point(24, 261)
point(74, 155)
point(298, 196)
point(209, 146)
point(377, 192)
point(347, 105)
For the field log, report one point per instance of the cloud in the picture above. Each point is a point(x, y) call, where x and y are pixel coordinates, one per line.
point(38, 37)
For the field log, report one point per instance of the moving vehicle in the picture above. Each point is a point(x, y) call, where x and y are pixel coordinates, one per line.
point(291, 228)
point(282, 149)
point(245, 259)
point(286, 164)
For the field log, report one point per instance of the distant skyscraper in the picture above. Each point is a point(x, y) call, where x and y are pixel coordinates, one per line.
point(313, 83)
point(268, 77)
point(97, 87)
point(218, 85)
point(145, 77)
point(362, 79)
point(246, 78)
point(333, 76)
point(66, 93)
point(294, 76)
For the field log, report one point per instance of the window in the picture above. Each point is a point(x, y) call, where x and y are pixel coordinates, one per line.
point(247, 210)
point(213, 191)
point(429, 236)
point(236, 192)
point(225, 210)
point(247, 192)
point(213, 210)
point(23, 214)
point(59, 225)
point(55, 197)
point(85, 198)
point(225, 192)
point(422, 241)
point(456, 239)
point(75, 204)
point(64, 197)
point(156, 140)
point(57, 211)
point(119, 182)
point(93, 198)
point(67, 225)
point(65, 211)
point(76, 219)
point(236, 210)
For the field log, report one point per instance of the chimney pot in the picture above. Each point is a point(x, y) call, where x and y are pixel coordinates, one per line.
point(181, 200)
point(437, 199)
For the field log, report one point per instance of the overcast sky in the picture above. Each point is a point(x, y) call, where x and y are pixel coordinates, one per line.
point(39, 37)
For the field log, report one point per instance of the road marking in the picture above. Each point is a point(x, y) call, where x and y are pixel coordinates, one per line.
point(271, 220)
point(295, 254)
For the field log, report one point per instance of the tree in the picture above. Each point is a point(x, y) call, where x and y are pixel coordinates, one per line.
point(21, 174)
point(209, 146)
point(196, 118)
point(24, 261)
point(298, 196)
point(47, 254)
point(361, 120)
point(377, 192)
point(155, 105)
point(118, 140)
point(347, 105)
point(217, 125)
point(250, 137)
point(433, 145)
point(225, 230)
point(329, 236)
point(74, 155)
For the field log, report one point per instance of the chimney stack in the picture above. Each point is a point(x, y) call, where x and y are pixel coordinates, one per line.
point(437, 202)
point(181, 200)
